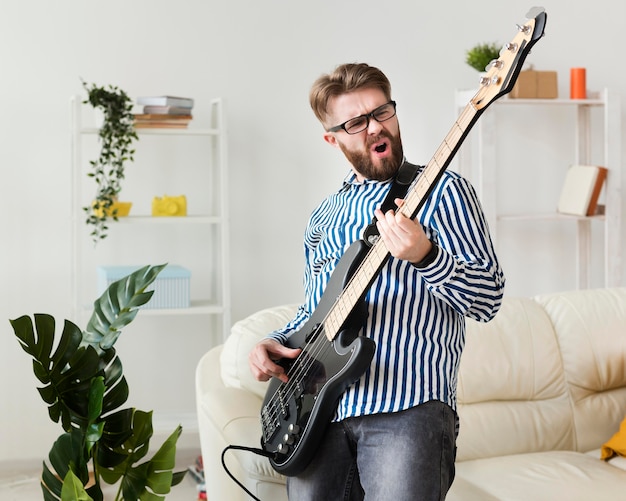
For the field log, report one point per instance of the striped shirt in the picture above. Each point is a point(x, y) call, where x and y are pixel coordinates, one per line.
point(415, 316)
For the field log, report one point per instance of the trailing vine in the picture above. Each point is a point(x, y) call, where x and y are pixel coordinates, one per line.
point(117, 135)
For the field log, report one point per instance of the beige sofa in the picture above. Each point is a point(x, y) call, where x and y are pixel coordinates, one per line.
point(541, 388)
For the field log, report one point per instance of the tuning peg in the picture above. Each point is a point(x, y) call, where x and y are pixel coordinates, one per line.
point(511, 46)
point(524, 29)
point(494, 63)
point(484, 81)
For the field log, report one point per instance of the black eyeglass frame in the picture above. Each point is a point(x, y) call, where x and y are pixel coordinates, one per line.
point(367, 116)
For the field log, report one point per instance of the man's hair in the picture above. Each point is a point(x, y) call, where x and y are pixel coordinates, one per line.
point(345, 78)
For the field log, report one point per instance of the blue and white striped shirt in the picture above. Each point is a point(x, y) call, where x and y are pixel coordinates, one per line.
point(415, 316)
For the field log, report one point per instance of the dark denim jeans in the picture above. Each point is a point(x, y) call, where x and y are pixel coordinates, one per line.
point(402, 456)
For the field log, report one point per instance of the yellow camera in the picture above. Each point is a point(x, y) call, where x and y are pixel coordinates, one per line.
point(169, 206)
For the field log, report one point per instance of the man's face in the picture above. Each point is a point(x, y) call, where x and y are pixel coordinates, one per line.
point(376, 152)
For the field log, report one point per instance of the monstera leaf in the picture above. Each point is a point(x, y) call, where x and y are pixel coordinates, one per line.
point(118, 306)
point(66, 375)
point(73, 489)
point(66, 469)
point(150, 479)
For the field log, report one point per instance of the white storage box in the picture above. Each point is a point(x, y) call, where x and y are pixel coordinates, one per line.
point(171, 287)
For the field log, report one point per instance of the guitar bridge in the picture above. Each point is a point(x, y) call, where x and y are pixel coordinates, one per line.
point(272, 414)
point(269, 424)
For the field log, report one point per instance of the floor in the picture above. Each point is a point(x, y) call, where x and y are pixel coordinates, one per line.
point(19, 480)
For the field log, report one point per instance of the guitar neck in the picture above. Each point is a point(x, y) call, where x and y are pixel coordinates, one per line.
point(440, 161)
point(378, 254)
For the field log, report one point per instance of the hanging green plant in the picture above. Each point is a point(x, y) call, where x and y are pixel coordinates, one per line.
point(117, 135)
point(83, 385)
point(479, 56)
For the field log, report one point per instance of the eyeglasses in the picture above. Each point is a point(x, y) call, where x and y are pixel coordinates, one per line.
point(360, 123)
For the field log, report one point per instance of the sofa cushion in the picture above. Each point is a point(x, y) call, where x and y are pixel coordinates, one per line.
point(244, 335)
point(512, 396)
point(540, 476)
point(591, 330)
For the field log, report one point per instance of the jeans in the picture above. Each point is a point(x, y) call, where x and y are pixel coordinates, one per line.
point(402, 456)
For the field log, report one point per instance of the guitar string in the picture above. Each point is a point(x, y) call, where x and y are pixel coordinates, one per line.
point(302, 364)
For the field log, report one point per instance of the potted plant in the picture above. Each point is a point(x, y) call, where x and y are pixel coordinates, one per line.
point(84, 386)
point(479, 56)
point(117, 134)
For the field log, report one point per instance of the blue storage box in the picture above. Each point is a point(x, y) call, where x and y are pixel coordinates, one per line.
point(171, 287)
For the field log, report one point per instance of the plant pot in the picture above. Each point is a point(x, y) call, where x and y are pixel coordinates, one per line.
point(123, 209)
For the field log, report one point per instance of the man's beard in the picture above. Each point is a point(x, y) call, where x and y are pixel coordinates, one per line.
point(363, 164)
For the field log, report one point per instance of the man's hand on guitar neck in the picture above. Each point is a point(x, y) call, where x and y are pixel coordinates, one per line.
point(262, 359)
point(404, 238)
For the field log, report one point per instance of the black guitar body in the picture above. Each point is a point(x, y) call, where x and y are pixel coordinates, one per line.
point(295, 414)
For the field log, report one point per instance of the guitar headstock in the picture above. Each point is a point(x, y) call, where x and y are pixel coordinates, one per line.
point(502, 73)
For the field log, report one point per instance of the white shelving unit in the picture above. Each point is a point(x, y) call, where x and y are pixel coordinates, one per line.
point(481, 167)
point(167, 343)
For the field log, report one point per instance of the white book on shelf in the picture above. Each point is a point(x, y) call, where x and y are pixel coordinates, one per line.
point(166, 110)
point(581, 190)
point(181, 102)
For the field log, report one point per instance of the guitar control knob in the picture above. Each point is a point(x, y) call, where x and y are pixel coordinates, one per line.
point(282, 449)
point(293, 428)
point(288, 439)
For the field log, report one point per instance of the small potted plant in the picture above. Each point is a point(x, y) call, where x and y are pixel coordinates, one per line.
point(117, 135)
point(83, 385)
point(479, 56)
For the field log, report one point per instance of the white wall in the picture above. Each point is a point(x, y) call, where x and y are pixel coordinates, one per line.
point(261, 57)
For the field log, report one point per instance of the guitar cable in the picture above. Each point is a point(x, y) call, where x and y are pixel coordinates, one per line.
point(259, 452)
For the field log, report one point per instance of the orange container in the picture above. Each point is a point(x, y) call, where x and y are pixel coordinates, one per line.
point(578, 83)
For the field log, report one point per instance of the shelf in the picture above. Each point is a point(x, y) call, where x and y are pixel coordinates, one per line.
point(191, 131)
point(197, 307)
point(548, 216)
point(464, 96)
point(551, 102)
point(193, 219)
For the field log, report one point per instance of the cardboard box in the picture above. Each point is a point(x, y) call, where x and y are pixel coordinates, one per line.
point(533, 84)
point(171, 287)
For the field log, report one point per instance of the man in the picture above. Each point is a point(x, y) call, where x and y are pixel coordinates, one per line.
point(394, 432)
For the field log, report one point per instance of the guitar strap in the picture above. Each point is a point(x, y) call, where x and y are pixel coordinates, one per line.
point(404, 177)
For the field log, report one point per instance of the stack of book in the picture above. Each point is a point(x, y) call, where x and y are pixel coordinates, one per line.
point(164, 111)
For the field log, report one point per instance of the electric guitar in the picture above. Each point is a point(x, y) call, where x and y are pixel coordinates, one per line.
point(295, 414)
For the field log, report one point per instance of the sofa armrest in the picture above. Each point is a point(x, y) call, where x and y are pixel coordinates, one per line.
point(230, 416)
